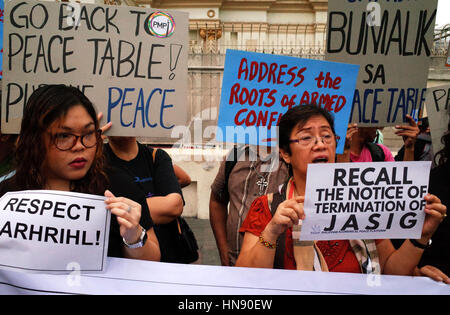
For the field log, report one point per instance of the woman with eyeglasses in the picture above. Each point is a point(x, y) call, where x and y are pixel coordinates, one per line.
point(60, 148)
point(306, 135)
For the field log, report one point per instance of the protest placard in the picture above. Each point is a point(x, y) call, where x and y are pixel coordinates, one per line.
point(130, 62)
point(257, 89)
point(49, 231)
point(438, 111)
point(365, 201)
point(392, 41)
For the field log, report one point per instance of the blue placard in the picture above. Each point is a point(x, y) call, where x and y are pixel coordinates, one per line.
point(258, 88)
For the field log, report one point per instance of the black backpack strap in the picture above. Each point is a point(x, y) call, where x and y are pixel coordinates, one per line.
point(376, 152)
point(231, 160)
point(278, 198)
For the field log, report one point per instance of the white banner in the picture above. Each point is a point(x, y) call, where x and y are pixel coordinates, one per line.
point(53, 231)
point(365, 200)
point(127, 276)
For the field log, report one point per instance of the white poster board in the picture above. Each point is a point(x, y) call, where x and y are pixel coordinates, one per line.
point(365, 200)
point(187, 282)
point(53, 231)
point(130, 62)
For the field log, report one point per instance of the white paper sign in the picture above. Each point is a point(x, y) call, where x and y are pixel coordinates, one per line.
point(365, 200)
point(53, 231)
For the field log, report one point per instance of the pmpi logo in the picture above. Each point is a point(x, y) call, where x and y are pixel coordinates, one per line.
point(159, 24)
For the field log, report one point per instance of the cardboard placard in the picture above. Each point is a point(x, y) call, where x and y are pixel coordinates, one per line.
point(392, 41)
point(365, 200)
point(257, 89)
point(438, 111)
point(45, 230)
point(130, 62)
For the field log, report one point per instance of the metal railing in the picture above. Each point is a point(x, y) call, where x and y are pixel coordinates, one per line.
point(441, 41)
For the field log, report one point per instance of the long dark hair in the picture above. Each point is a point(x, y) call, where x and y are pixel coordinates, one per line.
point(47, 104)
point(443, 156)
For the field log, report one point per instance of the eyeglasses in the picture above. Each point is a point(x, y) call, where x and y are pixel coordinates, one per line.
point(308, 140)
point(65, 141)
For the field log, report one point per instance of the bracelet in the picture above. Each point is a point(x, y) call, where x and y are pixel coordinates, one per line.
point(266, 243)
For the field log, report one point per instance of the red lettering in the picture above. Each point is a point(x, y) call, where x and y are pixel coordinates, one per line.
point(314, 97)
point(280, 74)
point(325, 102)
point(234, 98)
point(273, 68)
point(292, 74)
point(262, 72)
point(272, 119)
point(253, 97)
point(286, 101)
point(339, 106)
point(270, 96)
point(300, 76)
point(243, 97)
point(305, 98)
point(319, 80)
point(261, 95)
point(253, 70)
point(336, 82)
point(243, 68)
point(251, 118)
point(262, 118)
point(236, 118)
point(279, 118)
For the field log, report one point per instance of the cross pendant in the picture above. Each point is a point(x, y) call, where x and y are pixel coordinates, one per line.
point(262, 184)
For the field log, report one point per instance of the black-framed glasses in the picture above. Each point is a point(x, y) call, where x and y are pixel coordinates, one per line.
point(65, 141)
point(308, 140)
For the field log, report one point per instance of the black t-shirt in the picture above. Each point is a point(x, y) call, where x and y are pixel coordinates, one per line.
point(153, 179)
point(116, 177)
point(438, 254)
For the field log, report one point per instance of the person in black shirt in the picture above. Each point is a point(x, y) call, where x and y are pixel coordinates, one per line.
point(152, 170)
point(435, 262)
point(60, 148)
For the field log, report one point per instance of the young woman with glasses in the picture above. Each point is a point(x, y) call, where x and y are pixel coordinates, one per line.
point(60, 148)
point(306, 135)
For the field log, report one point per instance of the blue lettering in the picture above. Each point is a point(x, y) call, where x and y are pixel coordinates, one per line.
point(136, 103)
point(356, 100)
point(366, 94)
point(147, 107)
point(400, 104)
point(123, 105)
point(140, 107)
point(163, 106)
point(376, 102)
point(111, 105)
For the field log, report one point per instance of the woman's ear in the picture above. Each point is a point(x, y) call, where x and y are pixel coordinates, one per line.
point(285, 156)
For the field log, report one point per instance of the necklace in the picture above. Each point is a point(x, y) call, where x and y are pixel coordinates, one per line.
point(262, 183)
point(263, 177)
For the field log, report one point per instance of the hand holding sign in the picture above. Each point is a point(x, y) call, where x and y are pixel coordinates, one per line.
point(408, 132)
point(370, 201)
point(128, 214)
point(45, 230)
point(287, 215)
point(435, 214)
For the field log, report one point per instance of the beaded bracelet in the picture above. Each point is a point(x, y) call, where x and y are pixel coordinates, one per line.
point(266, 243)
